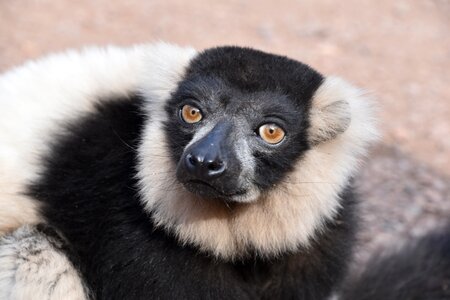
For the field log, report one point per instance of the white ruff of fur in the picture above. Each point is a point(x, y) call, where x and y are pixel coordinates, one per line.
point(284, 219)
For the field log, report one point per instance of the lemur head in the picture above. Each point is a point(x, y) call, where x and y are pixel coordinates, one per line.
point(247, 152)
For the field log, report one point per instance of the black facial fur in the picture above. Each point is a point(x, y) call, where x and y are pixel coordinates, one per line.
point(247, 89)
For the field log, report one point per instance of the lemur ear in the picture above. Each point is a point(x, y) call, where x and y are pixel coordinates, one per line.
point(330, 115)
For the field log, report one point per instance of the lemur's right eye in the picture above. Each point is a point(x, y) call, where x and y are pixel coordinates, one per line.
point(190, 114)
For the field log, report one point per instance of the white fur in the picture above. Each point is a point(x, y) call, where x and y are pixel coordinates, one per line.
point(32, 268)
point(287, 217)
point(36, 98)
point(158, 82)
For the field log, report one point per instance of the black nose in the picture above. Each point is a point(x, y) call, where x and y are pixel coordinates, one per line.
point(208, 158)
point(205, 166)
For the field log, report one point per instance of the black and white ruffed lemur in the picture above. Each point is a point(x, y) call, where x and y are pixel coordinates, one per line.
point(159, 172)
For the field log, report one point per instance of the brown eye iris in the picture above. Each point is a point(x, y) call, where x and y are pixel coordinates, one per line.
point(191, 114)
point(271, 133)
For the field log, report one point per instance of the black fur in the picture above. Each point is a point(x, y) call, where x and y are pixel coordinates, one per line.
point(251, 70)
point(419, 270)
point(89, 194)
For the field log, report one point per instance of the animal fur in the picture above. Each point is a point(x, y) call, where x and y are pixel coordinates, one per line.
point(89, 149)
point(34, 265)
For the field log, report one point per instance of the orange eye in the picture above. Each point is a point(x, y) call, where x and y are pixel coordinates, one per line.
point(191, 114)
point(271, 133)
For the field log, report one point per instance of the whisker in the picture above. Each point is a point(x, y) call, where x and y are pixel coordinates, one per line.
point(122, 140)
point(308, 182)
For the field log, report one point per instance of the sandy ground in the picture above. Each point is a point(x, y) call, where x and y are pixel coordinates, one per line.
point(398, 50)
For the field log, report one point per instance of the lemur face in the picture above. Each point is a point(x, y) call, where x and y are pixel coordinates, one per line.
point(237, 133)
point(247, 152)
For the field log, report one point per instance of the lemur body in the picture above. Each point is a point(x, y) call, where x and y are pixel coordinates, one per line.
point(162, 172)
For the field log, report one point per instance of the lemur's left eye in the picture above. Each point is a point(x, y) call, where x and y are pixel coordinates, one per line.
point(191, 114)
point(271, 133)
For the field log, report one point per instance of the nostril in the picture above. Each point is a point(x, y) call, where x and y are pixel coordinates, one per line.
point(216, 166)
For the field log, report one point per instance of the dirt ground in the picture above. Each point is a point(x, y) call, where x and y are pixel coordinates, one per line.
point(398, 50)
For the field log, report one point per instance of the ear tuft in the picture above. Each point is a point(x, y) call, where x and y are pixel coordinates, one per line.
point(340, 110)
point(328, 120)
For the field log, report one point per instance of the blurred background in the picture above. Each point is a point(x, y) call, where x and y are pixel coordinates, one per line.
point(398, 50)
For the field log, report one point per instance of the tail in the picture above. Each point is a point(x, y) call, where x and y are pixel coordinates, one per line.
point(419, 270)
